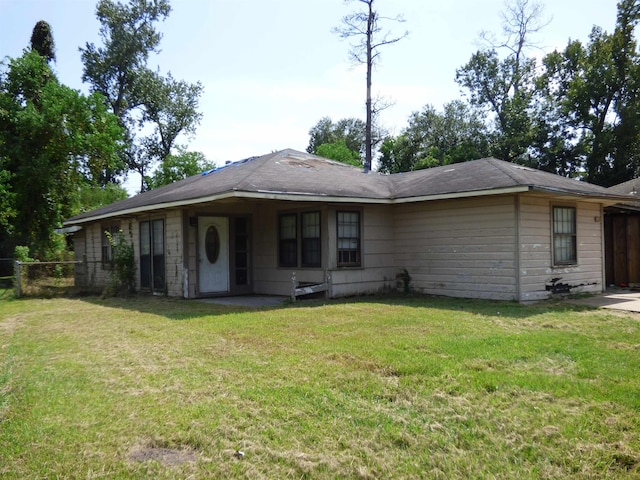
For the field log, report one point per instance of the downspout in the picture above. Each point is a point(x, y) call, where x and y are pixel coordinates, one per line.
point(602, 251)
point(518, 248)
point(185, 253)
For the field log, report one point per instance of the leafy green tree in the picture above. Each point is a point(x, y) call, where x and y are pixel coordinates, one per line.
point(504, 88)
point(554, 147)
point(398, 154)
point(91, 196)
point(42, 41)
point(129, 36)
point(153, 109)
point(100, 139)
point(50, 135)
point(169, 108)
point(433, 138)
point(340, 152)
point(178, 167)
point(592, 101)
point(364, 26)
point(350, 131)
point(458, 132)
point(7, 204)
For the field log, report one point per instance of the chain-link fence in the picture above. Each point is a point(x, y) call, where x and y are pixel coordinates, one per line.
point(50, 279)
point(6, 276)
point(6, 272)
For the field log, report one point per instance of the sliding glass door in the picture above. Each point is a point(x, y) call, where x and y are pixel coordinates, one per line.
point(152, 275)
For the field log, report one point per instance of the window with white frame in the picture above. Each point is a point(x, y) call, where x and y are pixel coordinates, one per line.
point(348, 224)
point(564, 236)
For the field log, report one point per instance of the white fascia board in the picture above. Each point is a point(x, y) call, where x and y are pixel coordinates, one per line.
point(384, 201)
point(150, 208)
point(71, 229)
point(287, 196)
point(307, 197)
point(606, 198)
point(510, 190)
point(299, 196)
point(475, 193)
point(260, 195)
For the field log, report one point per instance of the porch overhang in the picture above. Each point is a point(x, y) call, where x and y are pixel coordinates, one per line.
point(335, 199)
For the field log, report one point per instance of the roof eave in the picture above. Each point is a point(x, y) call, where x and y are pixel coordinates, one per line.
point(473, 193)
point(316, 197)
point(604, 197)
point(259, 195)
point(147, 208)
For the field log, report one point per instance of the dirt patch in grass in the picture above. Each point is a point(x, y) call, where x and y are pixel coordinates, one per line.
point(626, 461)
point(167, 456)
point(625, 346)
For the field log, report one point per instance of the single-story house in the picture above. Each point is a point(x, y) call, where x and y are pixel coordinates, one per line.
point(481, 229)
point(622, 236)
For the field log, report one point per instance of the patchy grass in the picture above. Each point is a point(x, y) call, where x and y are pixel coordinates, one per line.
point(369, 388)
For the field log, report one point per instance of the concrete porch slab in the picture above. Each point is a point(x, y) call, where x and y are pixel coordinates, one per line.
point(255, 301)
point(625, 300)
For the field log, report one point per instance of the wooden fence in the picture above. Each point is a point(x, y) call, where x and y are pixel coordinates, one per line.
point(299, 289)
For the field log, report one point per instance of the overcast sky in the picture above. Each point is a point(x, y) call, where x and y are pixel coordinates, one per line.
point(272, 68)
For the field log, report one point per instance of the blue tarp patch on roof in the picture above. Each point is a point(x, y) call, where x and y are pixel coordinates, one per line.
point(228, 164)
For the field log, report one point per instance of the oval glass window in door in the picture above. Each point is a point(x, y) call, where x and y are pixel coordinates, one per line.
point(212, 244)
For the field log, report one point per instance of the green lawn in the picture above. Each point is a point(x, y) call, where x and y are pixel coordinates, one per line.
point(366, 388)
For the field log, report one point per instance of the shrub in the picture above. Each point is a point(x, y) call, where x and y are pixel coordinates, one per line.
point(404, 280)
point(21, 254)
point(123, 271)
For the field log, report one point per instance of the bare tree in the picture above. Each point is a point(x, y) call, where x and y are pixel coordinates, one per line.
point(505, 87)
point(521, 20)
point(365, 27)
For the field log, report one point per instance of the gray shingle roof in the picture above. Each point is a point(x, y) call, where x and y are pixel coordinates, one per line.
point(290, 174)
point(488, 174)
point(630, 187)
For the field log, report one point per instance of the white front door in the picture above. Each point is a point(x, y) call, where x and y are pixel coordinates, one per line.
point(213, 254)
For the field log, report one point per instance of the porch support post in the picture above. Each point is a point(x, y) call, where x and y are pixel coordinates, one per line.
point(328, 283)
point(294, 285)
point(18, 279)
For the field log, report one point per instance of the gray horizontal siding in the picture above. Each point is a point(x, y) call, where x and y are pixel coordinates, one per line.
point(536, 263)
point(460, 248)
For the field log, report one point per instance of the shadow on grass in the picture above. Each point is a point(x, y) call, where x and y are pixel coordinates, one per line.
point(180, 309)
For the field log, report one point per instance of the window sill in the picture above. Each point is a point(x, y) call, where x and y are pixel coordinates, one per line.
point(300, 268)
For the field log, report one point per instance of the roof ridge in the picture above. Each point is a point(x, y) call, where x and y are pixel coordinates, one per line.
point(497, 163)
point(324, 159)
point(258, 166)
point(228, 164)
